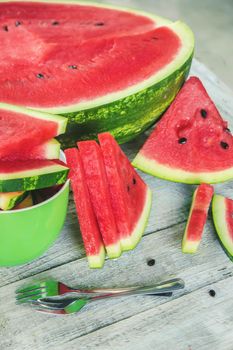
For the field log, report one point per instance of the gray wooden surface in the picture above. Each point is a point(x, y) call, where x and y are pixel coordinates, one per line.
point(190, 320)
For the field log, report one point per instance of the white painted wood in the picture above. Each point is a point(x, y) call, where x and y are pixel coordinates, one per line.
point(129, 322)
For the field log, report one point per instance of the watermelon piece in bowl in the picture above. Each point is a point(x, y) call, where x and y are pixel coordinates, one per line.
point(197, 218)
point(191, 143)
point(82, 67)
point(22, 129)
point(89, 228)
point(9, 200)
point(97, 183)
point(130, 196)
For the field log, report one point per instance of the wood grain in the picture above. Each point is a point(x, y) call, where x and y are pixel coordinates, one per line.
point(190, 320)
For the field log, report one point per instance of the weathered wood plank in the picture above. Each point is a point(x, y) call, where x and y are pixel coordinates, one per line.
point(170, 201)
point(39, 332)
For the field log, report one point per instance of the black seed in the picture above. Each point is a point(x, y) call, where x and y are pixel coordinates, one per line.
point(212, 293)
point(182, 140)
point(128, 188)
point(203, 113)
point(99, 24)
point(55, 23)
point(72, 66)
point(134, 181)
point(224, 145)
point(227, 130)
point(40, 76)
point(17, 23)
point(5, 28)
point(151, 262)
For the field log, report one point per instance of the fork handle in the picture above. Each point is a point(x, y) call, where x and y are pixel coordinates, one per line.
point(162, 287)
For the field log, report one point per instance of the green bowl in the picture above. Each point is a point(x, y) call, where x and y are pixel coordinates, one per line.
point(25, 234)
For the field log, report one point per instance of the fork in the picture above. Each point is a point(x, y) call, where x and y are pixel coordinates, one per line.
point(52, 288)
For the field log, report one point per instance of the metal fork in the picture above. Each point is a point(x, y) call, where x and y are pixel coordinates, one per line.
point(53, 288)
point(70, 306)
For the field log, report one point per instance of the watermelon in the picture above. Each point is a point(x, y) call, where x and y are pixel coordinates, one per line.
point(26, 203)
point(191, 143)
point(9, 200)
point(87, 220)
point(105, 68)
point(22, 129)
point(31, 174)
point(222, 209)
point(47, 150)
point(197, 218)
point(130, 196)
point(97, 183)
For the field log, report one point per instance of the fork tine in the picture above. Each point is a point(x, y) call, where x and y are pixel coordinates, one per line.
point(27, 299)
point(30, 288)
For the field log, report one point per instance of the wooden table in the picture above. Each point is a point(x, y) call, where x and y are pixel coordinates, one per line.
point(191, 319)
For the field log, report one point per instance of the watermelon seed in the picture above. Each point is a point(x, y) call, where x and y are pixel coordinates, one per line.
point(99, 24)
point(40, 76)
point(212, 293)
point(134, 181)
point(5, 28)
point(224, 145)
point(182, 140)
point(55, 23)
point(128, 188)
point(17, 23)
point(154, 38)
point(151, 262)
point(72, 66)
point(203, 113)
point(227, 130)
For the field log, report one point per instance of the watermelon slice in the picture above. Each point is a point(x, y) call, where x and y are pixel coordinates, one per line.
point(26, 203)
point(47, 150)
point(31, 174)
point(88, 224)
point(9, 200)
point(130, 196)
point(222, 209)
point(104, 67)
point(197, 218)
point(22, 129)
point(97, 183)
point(191, 143)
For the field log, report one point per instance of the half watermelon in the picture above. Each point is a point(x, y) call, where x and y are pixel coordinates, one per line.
point(105, 68)
point(87, 220)
point(191, 143)
point(98, 187)
point(222, 209)
point(130, 196)
point(23, 129)
point(197, 218)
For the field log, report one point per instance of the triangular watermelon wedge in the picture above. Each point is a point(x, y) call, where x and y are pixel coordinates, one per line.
point(191, 143)
point(87, 220)
point(130, 196)
point(22, 129)
point(97, 183)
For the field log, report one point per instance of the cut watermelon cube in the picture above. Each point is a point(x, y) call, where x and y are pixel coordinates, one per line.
point(97, 183)
point(87, 220)
point(130, 196)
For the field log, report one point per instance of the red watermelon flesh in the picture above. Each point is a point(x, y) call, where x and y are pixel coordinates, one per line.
point(197, 218)
point(130, 196)
point(87, 220)
point(63, 54)
point(21, 130)
point(191, 143)
point(97, 183)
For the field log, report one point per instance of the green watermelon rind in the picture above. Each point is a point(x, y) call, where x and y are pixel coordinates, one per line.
point(33, 179)
point(134, 238)
point(220, 223)
point(165, 172)
point(97, 261)
point(9, 200)
point(129, 112)
point(60, 120)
